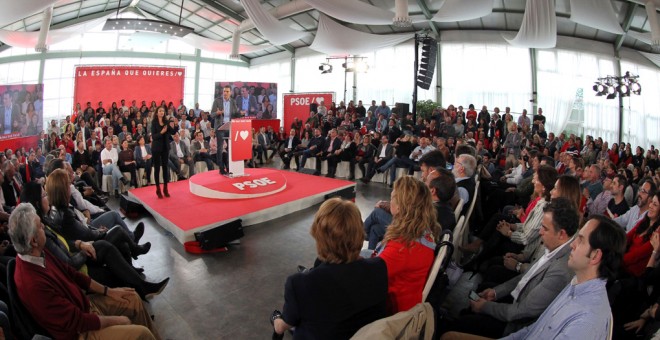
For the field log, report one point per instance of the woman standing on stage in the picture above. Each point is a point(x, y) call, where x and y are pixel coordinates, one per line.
point(161, 130)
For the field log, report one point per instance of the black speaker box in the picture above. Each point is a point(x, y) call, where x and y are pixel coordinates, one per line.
point(220, 236)
point(130, 207)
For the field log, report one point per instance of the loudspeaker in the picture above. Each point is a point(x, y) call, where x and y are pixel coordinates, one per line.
point(220, 236)
point(427, 63)
point(130, 207)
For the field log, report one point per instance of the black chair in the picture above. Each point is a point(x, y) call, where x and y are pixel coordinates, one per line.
point(24, 325)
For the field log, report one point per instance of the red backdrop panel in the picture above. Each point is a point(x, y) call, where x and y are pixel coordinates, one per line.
point(297, 105)
point(113, 83)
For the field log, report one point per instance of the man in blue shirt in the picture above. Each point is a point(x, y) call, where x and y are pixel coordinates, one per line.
point(581, 310)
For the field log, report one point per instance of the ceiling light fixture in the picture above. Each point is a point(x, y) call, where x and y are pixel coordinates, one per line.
point(135, 20)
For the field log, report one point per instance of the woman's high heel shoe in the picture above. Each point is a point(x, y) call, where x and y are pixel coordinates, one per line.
point(158, 193)
point(165, 192)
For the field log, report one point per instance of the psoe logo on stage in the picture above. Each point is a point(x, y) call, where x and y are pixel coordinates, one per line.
point(261, 182)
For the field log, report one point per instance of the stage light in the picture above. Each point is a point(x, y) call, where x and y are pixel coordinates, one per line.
point(611, 89)
point(636, 88)
point(624, 90)
point(325, 68)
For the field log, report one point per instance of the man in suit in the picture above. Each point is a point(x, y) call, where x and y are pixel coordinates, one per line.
point(180, 154)
point(200, 150)
point(384, 153)
point(288, 148)
point(246, 103)
point(518, 302)
point(223, 110)
point(82, 126)
point(11, 115)
point(332, 144)
point(314, 149)
point(266, 143)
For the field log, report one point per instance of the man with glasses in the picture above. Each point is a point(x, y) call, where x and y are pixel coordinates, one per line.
point(646, 192)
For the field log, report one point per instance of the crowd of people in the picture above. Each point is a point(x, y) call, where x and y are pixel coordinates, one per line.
point(565, 230)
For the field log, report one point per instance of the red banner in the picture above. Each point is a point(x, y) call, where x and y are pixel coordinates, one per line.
point(298, 105)
point(241, 139)
point(140, 83)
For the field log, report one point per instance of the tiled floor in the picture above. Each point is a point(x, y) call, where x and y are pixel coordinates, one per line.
point(231, 295)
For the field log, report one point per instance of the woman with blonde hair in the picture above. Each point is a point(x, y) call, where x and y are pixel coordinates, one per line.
point(343, 292)
point(409, 243)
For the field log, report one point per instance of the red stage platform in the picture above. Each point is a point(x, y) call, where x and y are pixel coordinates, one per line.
point(185, 213)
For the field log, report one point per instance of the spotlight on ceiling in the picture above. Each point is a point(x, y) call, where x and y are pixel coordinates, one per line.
point(600, 89)
point(636, 88)
point(325, 68)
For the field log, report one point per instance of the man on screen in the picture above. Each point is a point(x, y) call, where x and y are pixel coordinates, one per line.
point(247, 103)
point(11, 114)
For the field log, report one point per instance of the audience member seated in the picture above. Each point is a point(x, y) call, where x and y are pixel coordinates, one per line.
point(514, 237)
point(581, 310)
point(618, 205)
point(363, 155)
point(110, 161)
point(384, 152)
point(516, 303)
point(443, 188)
point(346, 152)
point(409, 243)
point(11, 188)
point(631, 218)
point(57, 296)
point(143, 157)
point(180, 155)
point(71, 224)
point(331, 145)
point(127, 162)
point(343, 292)
point(313, 149)
point(288, 149)
point(464, 167)
point(200, 151)
point(638, 245)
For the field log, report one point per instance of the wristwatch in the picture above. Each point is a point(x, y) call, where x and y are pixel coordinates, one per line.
point(518, 266)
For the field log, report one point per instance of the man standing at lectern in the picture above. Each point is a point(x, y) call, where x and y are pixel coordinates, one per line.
point(224, 109)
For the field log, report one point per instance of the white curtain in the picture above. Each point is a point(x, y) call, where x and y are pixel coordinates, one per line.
point(641, 118)
point(207, 44)
point(275, 31)
point(598, 14)
point(539, 26)
point(353, 11)
point(460, 10)
point(486, 74)
point(565, 80)
point(338, 40)
point(18, 10)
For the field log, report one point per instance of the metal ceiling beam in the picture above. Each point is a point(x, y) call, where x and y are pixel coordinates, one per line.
point(627, 21)
point(224, 9)
point(428, 15)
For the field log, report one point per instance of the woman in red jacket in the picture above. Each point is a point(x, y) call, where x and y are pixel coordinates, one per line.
point(638, 245)
point(409, 243)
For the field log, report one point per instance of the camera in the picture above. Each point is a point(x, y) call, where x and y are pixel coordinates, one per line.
point(526, 158)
